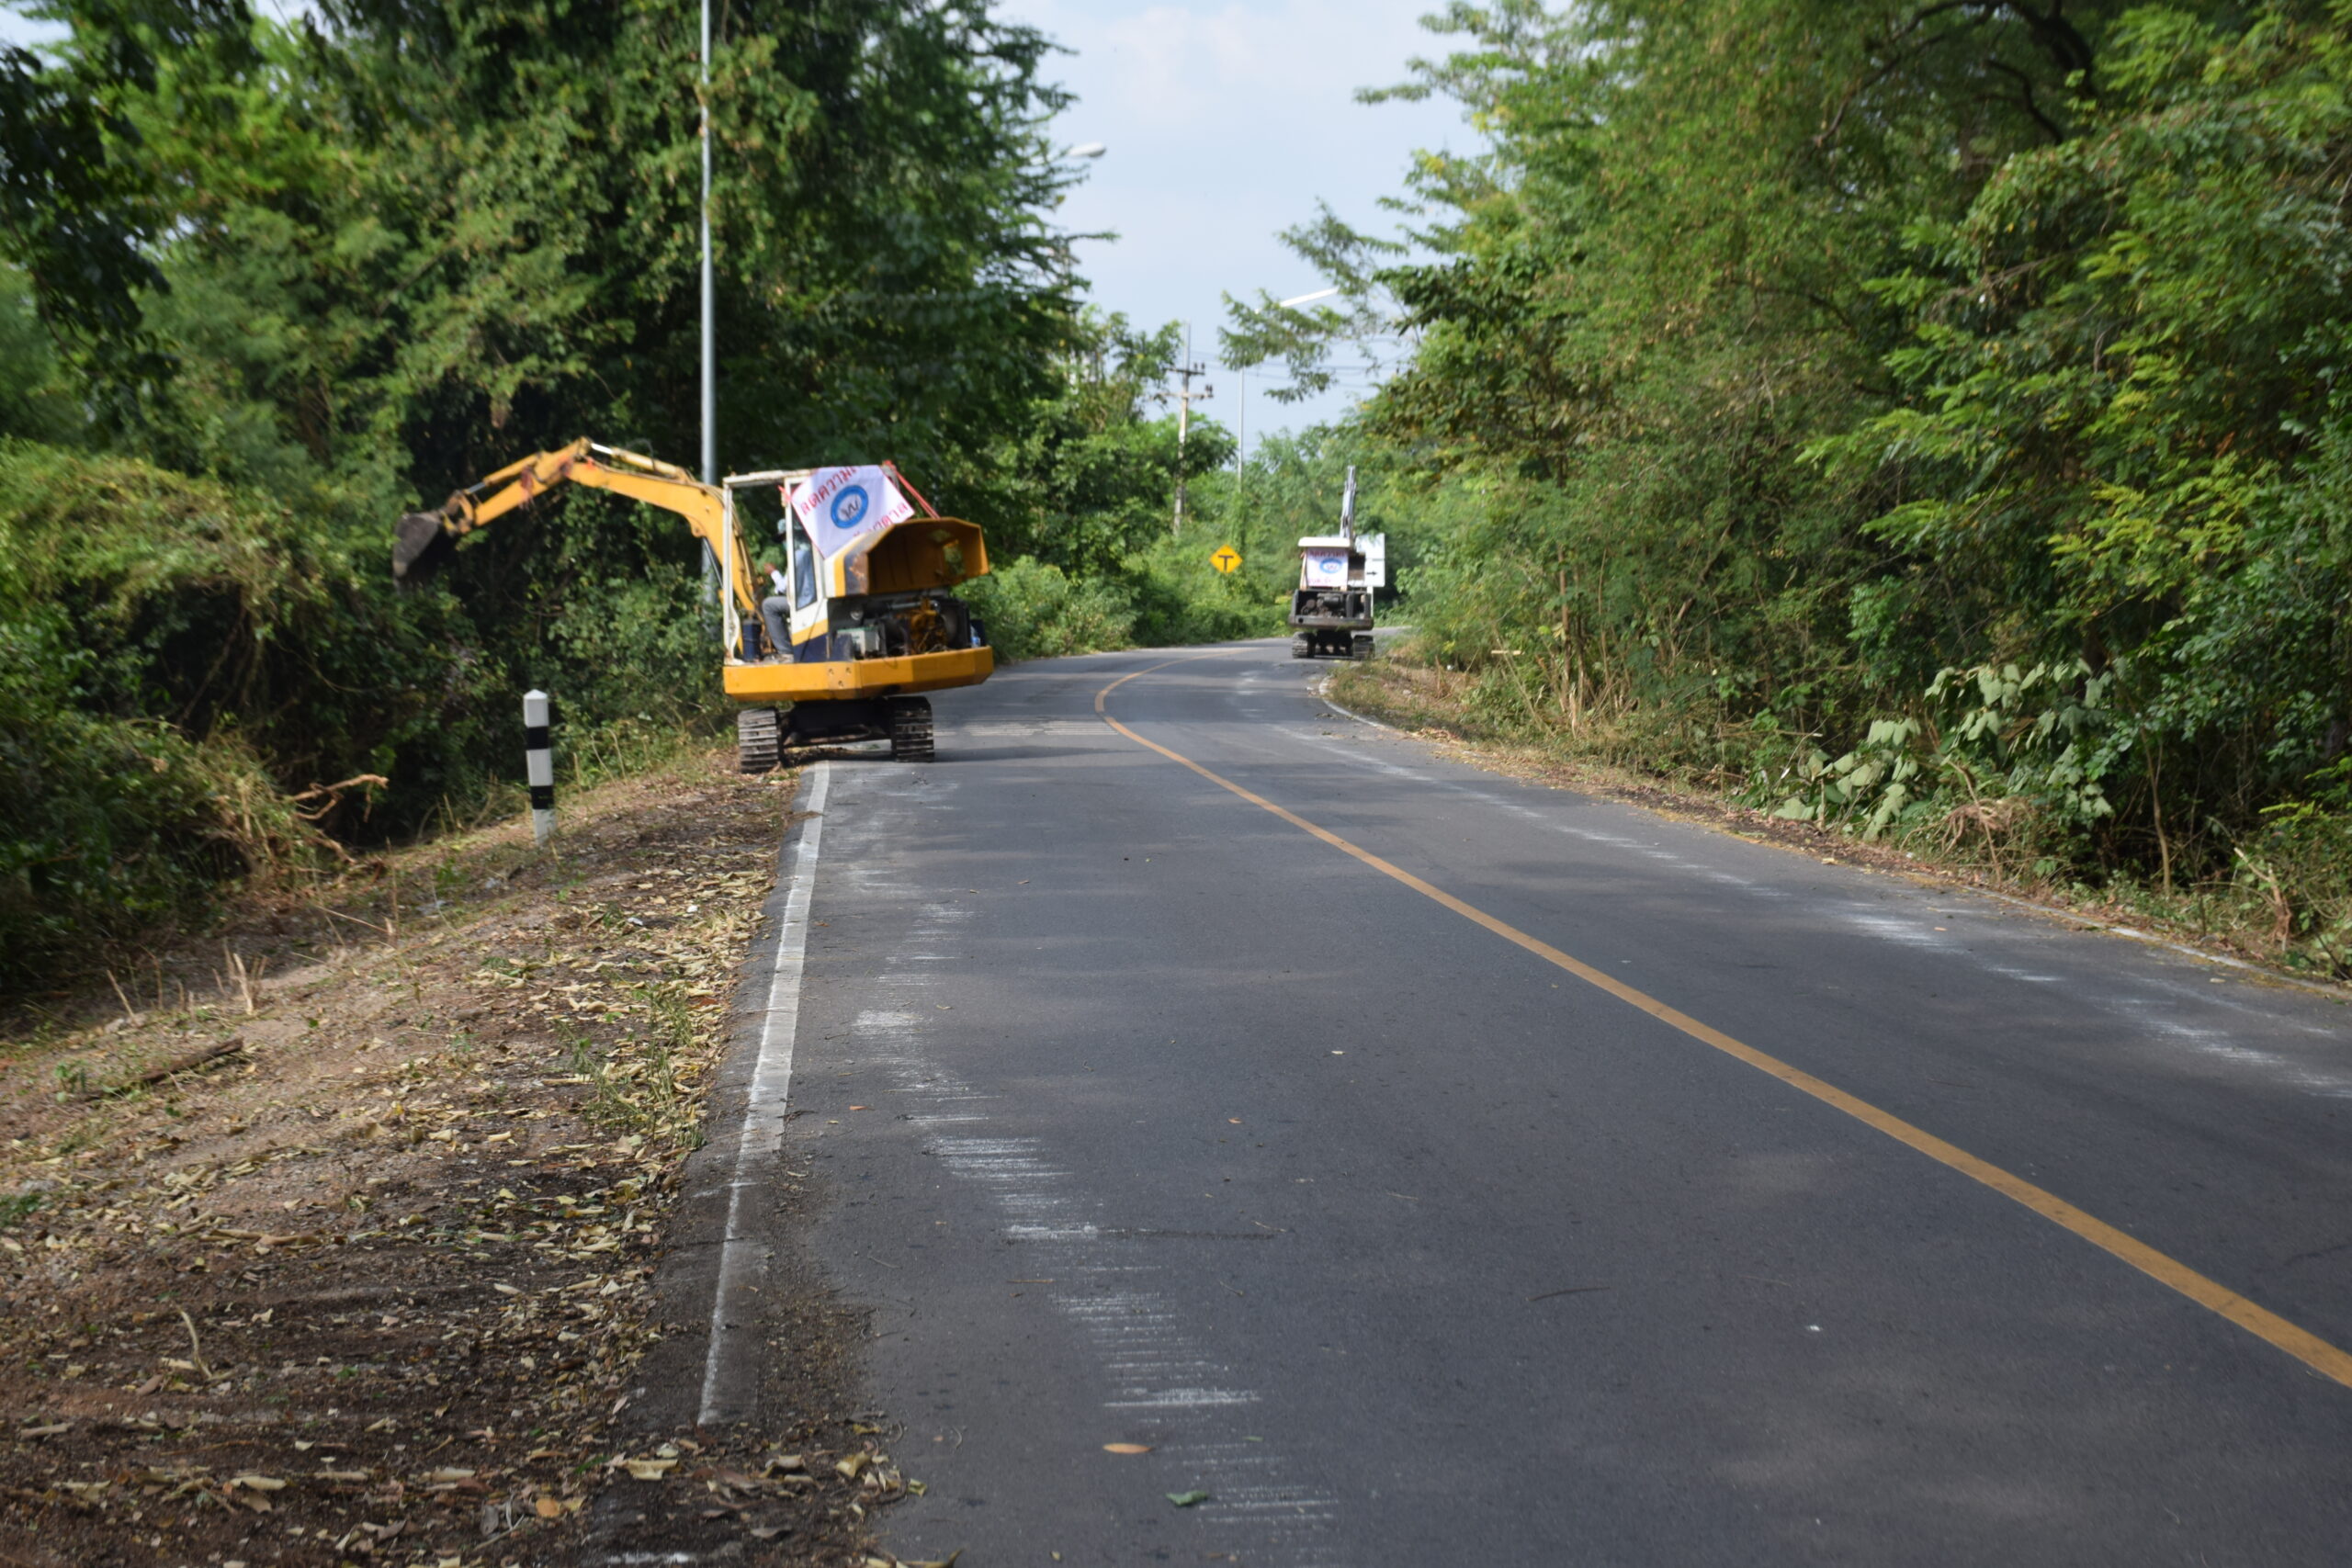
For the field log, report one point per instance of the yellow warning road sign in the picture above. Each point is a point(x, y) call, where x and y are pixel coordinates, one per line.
point(1227, 559)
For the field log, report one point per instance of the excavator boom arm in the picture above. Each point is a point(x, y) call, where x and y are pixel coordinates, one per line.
point(425, 536)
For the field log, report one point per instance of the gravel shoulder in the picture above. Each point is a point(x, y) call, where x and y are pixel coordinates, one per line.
point(351, 1250)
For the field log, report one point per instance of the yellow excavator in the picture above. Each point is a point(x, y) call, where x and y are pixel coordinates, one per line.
point(861, 624)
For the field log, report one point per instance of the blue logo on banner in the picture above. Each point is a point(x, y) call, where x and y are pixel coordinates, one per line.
point(848, 507)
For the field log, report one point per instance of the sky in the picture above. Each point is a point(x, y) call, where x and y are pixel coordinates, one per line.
point(1225, 121)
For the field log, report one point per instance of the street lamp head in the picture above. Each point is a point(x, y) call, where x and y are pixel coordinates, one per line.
point(1085, 150)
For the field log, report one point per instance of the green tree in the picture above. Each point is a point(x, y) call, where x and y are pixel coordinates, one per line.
point(1811, 379)
point(2124, 426)
point(312, 274)
point(80, 210)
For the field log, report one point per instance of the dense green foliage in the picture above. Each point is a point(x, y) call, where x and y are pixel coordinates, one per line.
point(1923, 415)
point(1092, 465)
point(264, 287)
point(163, 635)
point(79, 205)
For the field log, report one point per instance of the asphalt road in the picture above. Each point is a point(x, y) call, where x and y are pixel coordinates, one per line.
point(1138, 1114)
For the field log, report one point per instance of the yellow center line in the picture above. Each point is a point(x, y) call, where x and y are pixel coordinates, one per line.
point(2301, 1343)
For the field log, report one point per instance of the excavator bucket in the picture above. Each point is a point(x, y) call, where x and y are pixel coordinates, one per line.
point(419, 547)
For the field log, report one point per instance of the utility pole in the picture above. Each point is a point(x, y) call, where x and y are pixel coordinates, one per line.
point(1184, 401)
point(1241, 424)
point(710, 322)
point(1241, 447)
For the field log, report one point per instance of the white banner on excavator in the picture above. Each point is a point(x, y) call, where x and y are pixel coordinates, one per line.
point(836, 505)
point(1325, 568)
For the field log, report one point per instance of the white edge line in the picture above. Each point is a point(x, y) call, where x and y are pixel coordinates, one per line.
point(1322, 690)
point(771, 1086)
point(2328, 989)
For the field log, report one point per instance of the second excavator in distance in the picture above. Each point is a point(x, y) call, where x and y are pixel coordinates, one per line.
point(863, 623)
point(1330, 610)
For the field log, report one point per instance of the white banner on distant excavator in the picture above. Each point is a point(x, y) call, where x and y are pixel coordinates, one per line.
point(1325, 568)
point(836, 505)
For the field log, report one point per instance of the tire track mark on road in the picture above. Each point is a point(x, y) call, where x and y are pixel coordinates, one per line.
point(1162, 1381)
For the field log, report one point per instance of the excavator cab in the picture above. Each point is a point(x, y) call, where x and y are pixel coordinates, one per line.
point(874, 623)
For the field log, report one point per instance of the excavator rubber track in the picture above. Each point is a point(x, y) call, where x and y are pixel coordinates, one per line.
point(910, 729)
point(759, 741)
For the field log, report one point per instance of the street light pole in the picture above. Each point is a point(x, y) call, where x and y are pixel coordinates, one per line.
point(1241, 416)
point(1240, 413)
point(710, 321)
point(709, 309)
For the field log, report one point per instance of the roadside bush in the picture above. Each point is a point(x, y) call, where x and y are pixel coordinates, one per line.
point(1033, 610)
point(177, 661)
point(210, 609)
point(2294, 878)
point(112, 827)
point(1181, 598)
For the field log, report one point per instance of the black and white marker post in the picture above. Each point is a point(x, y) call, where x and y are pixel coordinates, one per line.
point(538, 763)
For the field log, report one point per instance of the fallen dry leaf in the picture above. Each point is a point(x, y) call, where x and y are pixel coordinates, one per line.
point(572, 1243)
point(1126, 1447)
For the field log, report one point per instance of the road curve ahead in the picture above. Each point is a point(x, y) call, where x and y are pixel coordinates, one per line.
point(1435, 1168)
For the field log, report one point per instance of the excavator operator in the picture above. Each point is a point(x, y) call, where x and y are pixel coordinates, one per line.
point(797, 592)
point(775, 611)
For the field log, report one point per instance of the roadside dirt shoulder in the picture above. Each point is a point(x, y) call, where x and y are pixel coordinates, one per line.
point(354, 1263)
